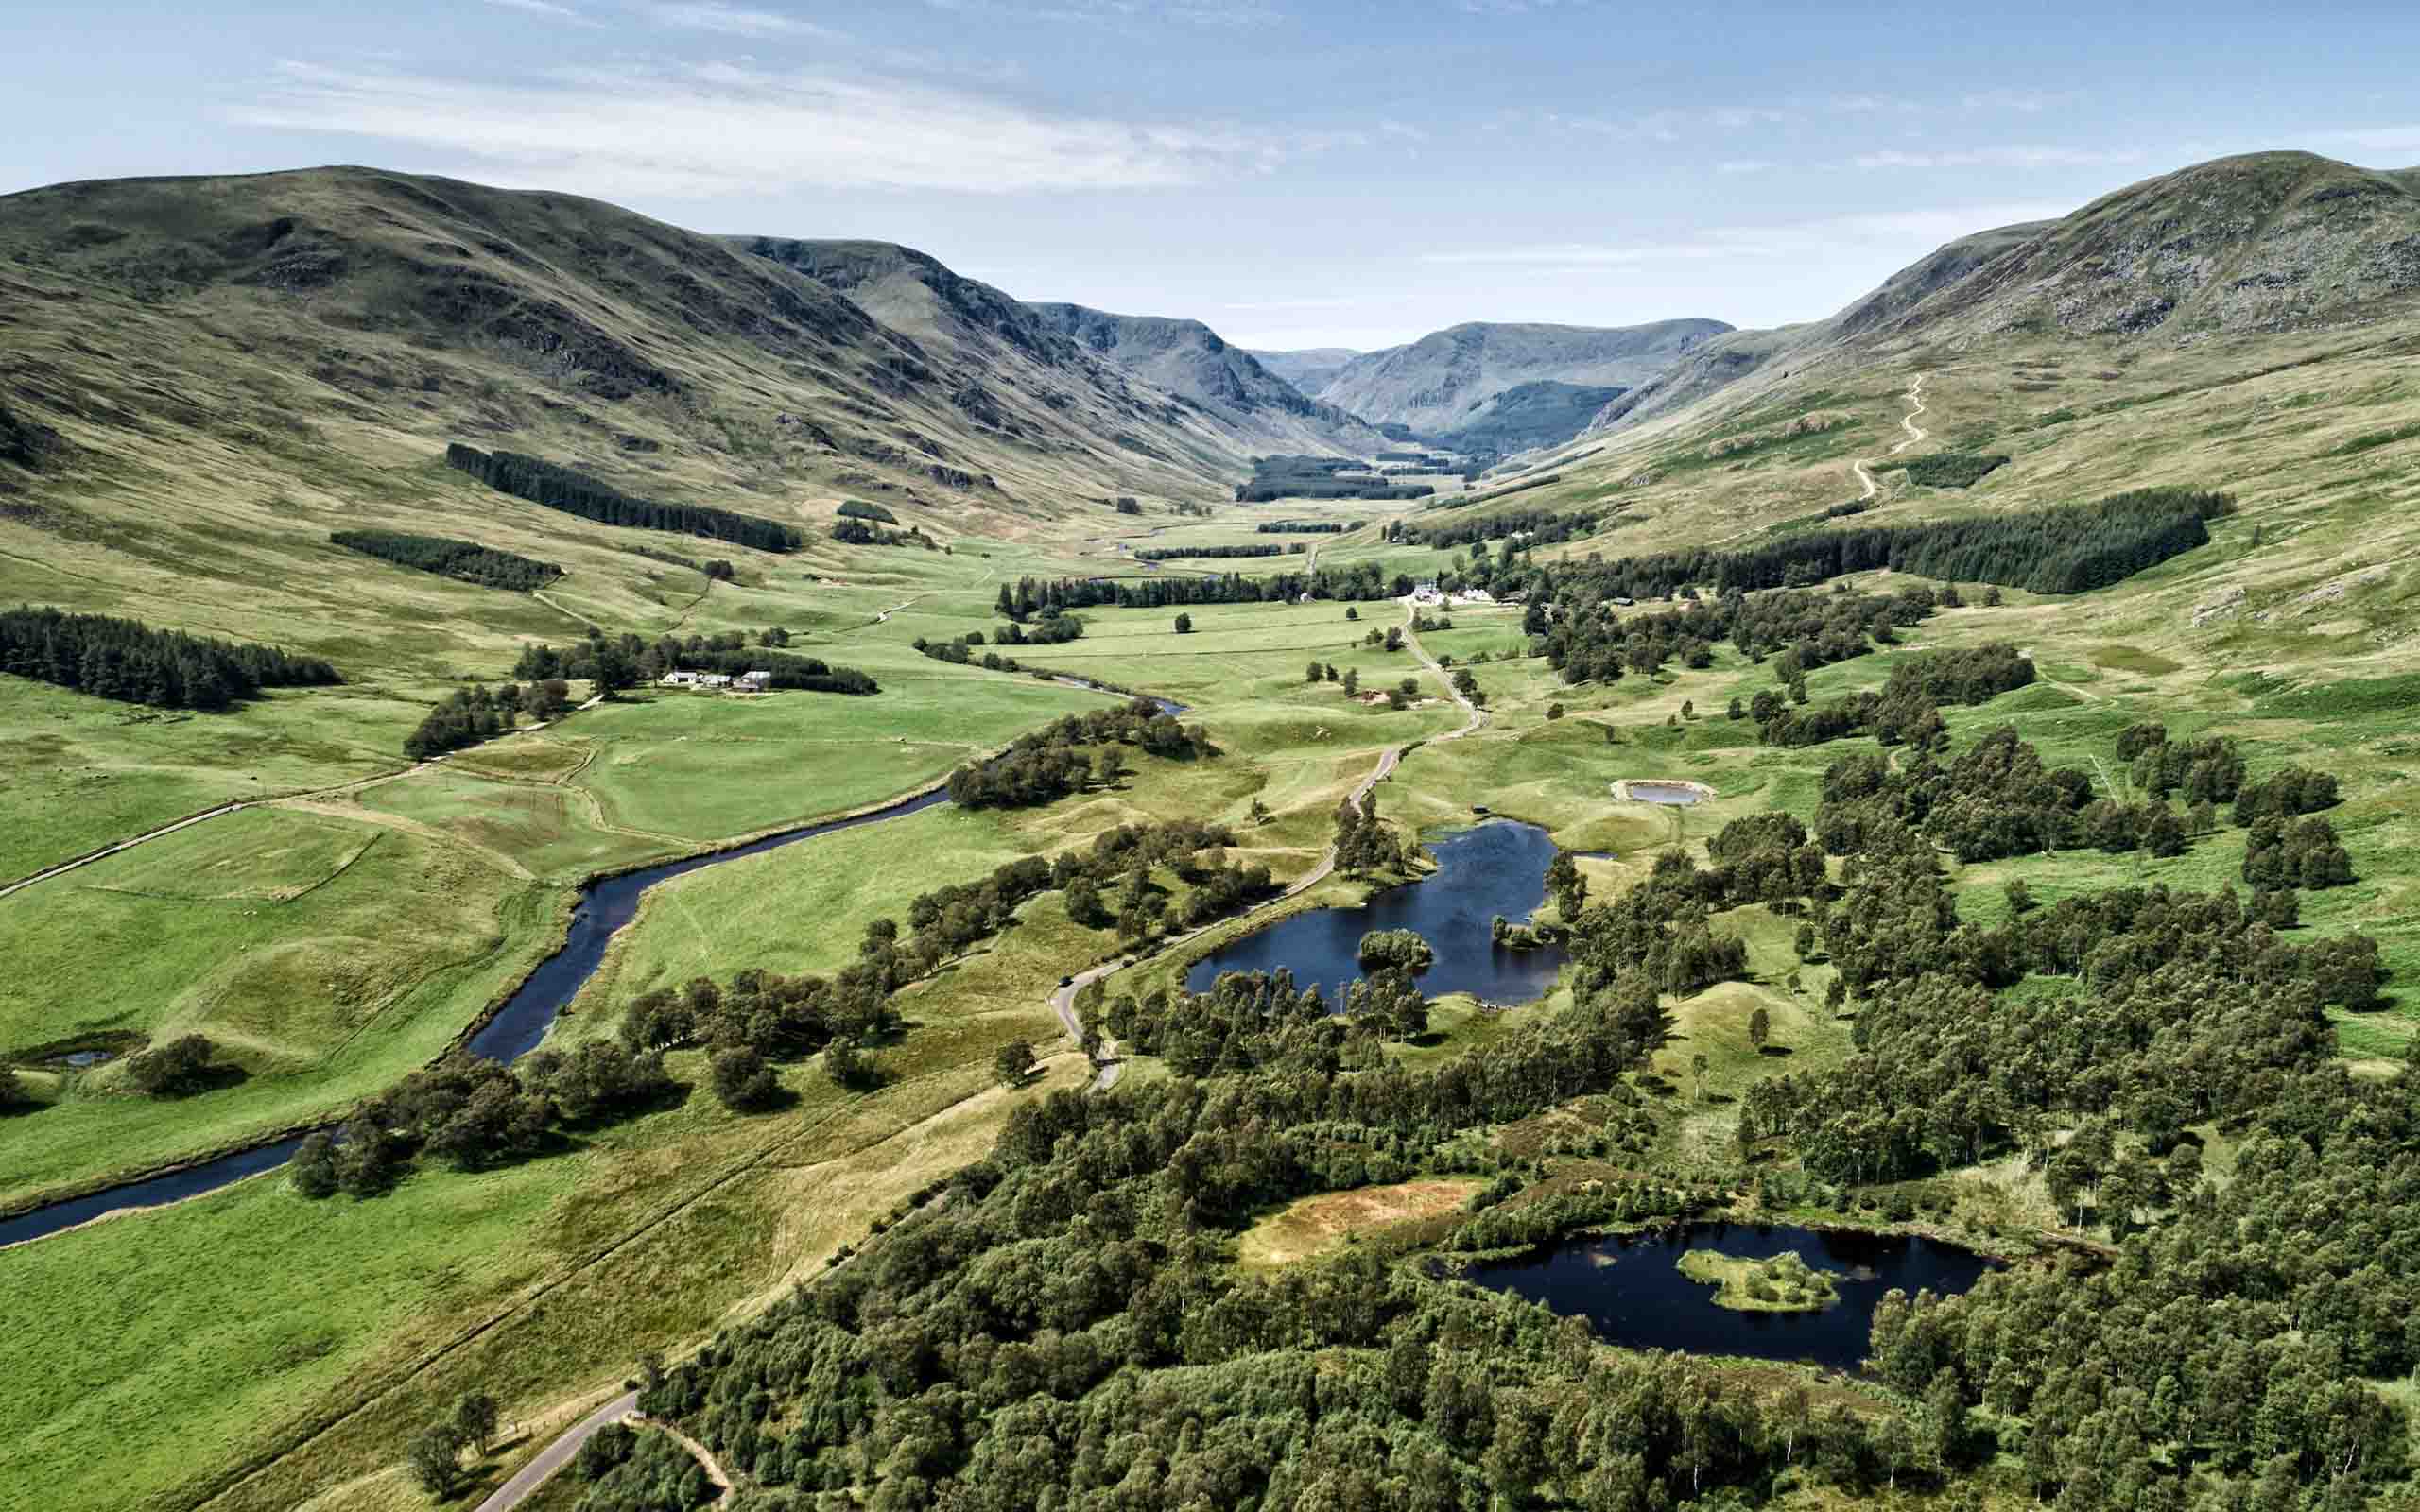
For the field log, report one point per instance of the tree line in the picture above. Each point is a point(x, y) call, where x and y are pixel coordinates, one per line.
point(554, 486)
point(1361, 581)
point(131, 662)
point(614, 663)
point(466, 560)
point(1048, 764)
point(2065, 549)
point(468, 715)
point(1214, 553)
point(1306, 527)
point(1538, 527)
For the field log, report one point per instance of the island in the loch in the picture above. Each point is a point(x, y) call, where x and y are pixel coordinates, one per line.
point(1784, 1283)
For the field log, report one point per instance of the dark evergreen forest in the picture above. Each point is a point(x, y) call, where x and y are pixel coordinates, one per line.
point(560, 487)
point(449, 558)
point(131, 662)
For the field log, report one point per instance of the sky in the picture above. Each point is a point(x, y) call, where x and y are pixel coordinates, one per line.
point(1296, 173)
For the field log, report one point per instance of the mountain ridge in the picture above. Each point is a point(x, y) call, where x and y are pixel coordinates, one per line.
point(1432, 384)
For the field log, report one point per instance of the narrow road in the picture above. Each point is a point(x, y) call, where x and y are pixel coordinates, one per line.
point(1915, 433)
point(65, 866)
point(557, 1455)
point(1062, 1002)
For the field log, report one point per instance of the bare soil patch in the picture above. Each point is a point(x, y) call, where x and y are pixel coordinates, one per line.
point(1315, 1226)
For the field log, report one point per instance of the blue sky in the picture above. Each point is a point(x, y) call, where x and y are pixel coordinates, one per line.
point(1295, 172)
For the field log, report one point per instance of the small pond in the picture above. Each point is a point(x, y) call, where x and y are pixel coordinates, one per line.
point(1499, 867)
point(1631, 1287)
point(1678, 794)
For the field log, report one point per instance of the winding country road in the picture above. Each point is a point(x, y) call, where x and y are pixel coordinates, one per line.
point(557, 1455)
point(1915, 433)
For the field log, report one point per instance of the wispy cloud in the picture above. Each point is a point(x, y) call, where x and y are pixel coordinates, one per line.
point(729, 20)
point(1740, 166)
point(1913, 230)
point(1190, 12)
point(2008, 157)
point(1664, 126)
point(537, 8)
point(726, 129)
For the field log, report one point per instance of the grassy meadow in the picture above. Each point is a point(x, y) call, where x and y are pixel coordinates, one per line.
point(332, 943)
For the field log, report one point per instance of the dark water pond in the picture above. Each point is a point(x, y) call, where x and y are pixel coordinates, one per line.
point(1631, 1289)
point(1499, 867)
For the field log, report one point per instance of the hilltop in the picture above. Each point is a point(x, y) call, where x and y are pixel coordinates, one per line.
point(2266, 243)
point(380, 314)
point(1433, 384)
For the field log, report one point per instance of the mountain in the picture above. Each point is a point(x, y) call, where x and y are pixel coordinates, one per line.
point(1433, 384)
point(2270, 242)
point(1309, 369)
point(1191, 361)
point(268, 321)
point(1545, 413)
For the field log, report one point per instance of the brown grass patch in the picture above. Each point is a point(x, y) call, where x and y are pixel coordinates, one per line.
point(1315, 1226)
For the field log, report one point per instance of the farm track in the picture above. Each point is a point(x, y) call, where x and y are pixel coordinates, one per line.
point(1915, 433)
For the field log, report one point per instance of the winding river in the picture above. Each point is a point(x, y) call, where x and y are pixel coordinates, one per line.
point(516, 1028)
point(1498, 867)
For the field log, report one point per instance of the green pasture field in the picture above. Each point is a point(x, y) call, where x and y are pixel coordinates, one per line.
point(325, 959)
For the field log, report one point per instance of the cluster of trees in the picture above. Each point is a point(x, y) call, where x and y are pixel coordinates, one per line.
point(1587, 642)
point(2284, 794)
point(1214, 553)
point(1907, 709)
point(1537, 528)
point(1361, 581)
point(1953, 469)
point(1363, 842)
point(474, 1114)
point(859, 509)
point(559, 488)
point(633, 1469)
point(2304, 854)
point(1395, 950)
point(1306, 527)
point(1051, 628)
point(2209, 770)
point(465, 559)
point(613, 663)
point(2184, 1007)
point(759, 1017)
point(131, 662)
point(2067, 549)
point(2226, 1343)
point(859, 533)
point(468, 715)
point(436, 1456)
point(1050, 763)
point(1067, 1329)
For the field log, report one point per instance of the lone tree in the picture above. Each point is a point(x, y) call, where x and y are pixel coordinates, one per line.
point(314, 1165)
point(475, 1419)
point(1352, 613)
point(1760, 1028)
point(176, 1068)
point(1184, 624)
point(437, 1459)
point(1014, 1063)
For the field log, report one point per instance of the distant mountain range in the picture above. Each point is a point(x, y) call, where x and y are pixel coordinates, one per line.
point(1441, 383)
point(1309, 369)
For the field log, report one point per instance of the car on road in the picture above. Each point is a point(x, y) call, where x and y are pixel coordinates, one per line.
point(1066, 981)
